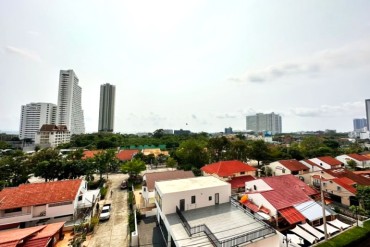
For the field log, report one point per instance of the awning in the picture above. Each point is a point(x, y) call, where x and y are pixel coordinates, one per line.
point(292, 215)
point(264, 216)
point(330, 229)
point(302, 233)
point(294, 238)
point(338, 224)
point(311, 210)
point(312, 230)
point(251, 206)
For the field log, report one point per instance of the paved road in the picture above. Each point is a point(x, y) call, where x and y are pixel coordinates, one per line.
point(114, 232)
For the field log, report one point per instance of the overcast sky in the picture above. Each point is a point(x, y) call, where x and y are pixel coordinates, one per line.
point(198, 65)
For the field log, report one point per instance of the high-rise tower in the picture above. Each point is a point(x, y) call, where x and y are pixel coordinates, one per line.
point(70, 111)
point(106, 108)
point(265, 122)
point(33, 116)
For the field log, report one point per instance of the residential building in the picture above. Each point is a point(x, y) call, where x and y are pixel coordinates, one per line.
point(198, 212)
point(339, 184)
point(181, 132)
point(33, 116)
point(149, 179)
point(367, 104)
point(265, 122)
point(69, 111)
point(362, 161)
point(41, 203)
point(51, 135)
point(327, 162)
point(359, 124)
point(311, 165)
point(282, 167)
point(228, 131)
point(284, 199)
point(106, 108)
point(45, 235)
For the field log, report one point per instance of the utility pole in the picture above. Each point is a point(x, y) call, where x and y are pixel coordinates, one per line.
point(323, 209)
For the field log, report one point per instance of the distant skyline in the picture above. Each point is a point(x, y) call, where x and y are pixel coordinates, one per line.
point(197, 65)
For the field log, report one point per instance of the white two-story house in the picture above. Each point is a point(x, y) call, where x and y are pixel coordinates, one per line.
point(41, 203)
point(199, 211)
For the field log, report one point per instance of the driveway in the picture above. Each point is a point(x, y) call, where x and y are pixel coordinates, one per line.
point(113, 232)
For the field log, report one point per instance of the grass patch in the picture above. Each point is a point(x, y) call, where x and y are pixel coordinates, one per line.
point(349, 238)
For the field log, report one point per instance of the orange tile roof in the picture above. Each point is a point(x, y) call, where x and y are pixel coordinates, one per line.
point(125, 155)
point(330, 160)
point(227, 168)
point(359, 157)
point(293, 165)
point(343, 172)
point(88, 154)
point(40, 193)
point(36, 236)
point(292, 215)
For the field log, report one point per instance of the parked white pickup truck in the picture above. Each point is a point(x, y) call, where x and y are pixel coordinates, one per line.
point(105, 212)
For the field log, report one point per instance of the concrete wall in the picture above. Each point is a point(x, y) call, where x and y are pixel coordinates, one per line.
point(171, 200)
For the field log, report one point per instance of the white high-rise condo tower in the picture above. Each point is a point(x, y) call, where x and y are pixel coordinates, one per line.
point(70, 111)
point(264, 122)
point(33, 116)
point(106, 109)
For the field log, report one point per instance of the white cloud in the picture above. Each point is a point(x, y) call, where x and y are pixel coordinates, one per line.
point(23, 53)
point(350, 56)
point(348, 108)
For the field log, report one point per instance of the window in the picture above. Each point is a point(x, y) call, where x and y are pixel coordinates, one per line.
point(210, 198)
point(255, 187)
point(144, 189)
point(338, 187)
point(80, 198)
point(242, 173)
point(192, 199)
point(13, 210)
point(283, 171)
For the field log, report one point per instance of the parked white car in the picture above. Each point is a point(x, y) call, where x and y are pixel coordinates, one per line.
point(105, 212)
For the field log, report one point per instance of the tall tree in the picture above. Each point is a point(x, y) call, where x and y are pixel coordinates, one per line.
point(217, 147)
point(192, 153)
point(259, 151)
point(133, 167)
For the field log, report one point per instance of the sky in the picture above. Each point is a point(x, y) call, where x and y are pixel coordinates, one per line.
point(197, 65)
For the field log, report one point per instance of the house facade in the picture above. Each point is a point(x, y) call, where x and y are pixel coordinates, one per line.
point(327, 162)
point(283, 167)
point(149, 179)
point(362, 161)
point(40, 203)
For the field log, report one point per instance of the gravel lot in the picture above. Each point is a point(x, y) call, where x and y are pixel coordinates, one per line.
point(113, 232)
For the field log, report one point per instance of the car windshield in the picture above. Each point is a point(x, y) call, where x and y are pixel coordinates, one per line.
point(105, 211)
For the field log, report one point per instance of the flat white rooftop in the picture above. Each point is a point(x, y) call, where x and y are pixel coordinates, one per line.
point(187, 184)
point(224, 221)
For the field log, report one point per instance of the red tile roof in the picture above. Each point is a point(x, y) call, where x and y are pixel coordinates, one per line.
point(227, 168)
point(345, 184)
point(342, 172)
point(293, 165)
point(32, 237)
point(153, 177)
point(251, 206)
point(359, 157)
point(238, 182)
point(292, 215)
point(40, 193)
point(287, 190)
point(125, 155)
point(330, 160)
